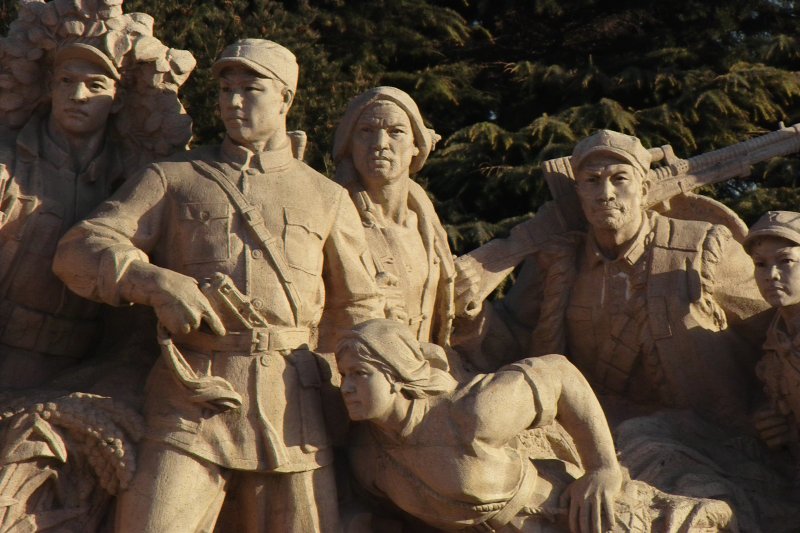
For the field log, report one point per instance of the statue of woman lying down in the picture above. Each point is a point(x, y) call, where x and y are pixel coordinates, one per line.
point(447, 454)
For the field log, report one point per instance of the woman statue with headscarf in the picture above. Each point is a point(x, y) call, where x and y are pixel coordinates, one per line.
point(380, 143)
point(449, 454)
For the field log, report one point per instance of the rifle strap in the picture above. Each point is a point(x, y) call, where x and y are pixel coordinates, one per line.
point(255, 223)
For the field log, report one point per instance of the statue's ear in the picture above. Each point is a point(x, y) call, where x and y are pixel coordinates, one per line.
point(288, 98)
point(645, 187)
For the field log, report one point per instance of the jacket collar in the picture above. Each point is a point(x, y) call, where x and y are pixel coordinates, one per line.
point(634, 251)
point(34, 142)
point(241, 158)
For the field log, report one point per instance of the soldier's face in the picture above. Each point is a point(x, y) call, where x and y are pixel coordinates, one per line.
point(253, 108)
point(777, 270)
point(611, 192)
point(82, 97)
point(367, 393)
point(383, 143)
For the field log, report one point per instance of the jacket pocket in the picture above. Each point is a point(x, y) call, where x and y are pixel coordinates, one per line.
point(302, 240)
point(205, 232)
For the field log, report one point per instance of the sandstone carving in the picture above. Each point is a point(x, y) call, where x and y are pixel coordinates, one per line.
point(113, 106)
point(635, 297)
point(67, 446)
point(164, 363)
point(230, 246)
point(380, 143)
point(774, 244)
point(446, 454)
point(657, 312)
point(671, 186)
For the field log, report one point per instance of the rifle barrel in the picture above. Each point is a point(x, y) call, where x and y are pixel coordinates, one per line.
point(775, 143)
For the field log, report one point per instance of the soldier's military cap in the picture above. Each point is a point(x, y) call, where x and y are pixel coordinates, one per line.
point(265, 57)
point(627, 147)
point(783, 224)
point(89, 53)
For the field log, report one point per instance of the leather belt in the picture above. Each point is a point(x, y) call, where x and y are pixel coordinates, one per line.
point(269, 339)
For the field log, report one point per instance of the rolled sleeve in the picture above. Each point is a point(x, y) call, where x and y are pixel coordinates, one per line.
point(539, 375)
point(94, 255)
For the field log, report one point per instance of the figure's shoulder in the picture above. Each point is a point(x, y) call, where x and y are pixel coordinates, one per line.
point(182, 161)
point(680, 234)
point(302, 173)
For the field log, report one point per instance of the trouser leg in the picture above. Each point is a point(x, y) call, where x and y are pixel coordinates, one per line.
point(171, 492)
point(297, 502)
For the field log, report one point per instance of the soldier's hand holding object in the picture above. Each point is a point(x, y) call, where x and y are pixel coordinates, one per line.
point(181, 306)
point(467, 287)
point(176, 298)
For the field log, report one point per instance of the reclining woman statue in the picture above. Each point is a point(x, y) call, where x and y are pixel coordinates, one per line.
point(447, 454)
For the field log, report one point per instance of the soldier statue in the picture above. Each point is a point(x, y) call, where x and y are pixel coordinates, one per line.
point(233, 406)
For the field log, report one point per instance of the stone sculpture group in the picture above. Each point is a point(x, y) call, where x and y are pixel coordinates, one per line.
point(185, 333)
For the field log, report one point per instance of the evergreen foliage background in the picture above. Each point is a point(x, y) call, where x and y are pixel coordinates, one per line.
point(510, 83)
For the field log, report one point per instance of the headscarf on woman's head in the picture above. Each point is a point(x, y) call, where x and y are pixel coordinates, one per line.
point(424, 138)
point(389, 346)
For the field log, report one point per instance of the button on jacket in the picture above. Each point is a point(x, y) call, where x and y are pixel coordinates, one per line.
point(181, 220)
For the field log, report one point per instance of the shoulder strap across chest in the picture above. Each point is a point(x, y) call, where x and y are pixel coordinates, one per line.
point(255, 223)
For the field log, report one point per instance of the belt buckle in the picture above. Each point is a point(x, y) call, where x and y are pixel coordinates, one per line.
point(260, 341)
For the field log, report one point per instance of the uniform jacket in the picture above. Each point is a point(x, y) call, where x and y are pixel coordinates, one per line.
point(435, 323)
point(181, 220)
point(779, 372)
point(698, 294)
point(42, 198)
